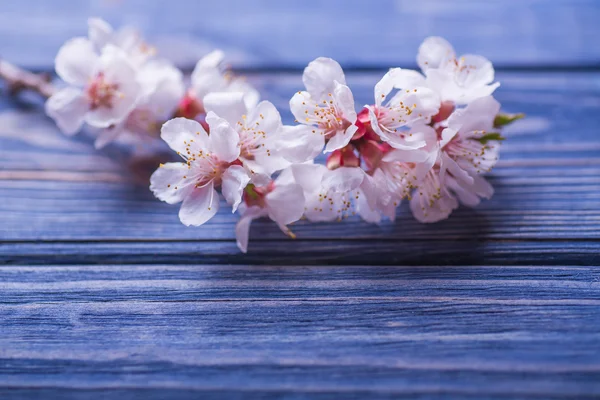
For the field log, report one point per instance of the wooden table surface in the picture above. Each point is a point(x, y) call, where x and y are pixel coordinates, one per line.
point(105, 295)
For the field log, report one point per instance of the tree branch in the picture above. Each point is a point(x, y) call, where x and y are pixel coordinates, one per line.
point(19, 79)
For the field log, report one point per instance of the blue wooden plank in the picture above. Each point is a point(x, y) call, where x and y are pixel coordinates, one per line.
point(384, 250)
point(299, 332)
point(63, 192)
point(271, 33)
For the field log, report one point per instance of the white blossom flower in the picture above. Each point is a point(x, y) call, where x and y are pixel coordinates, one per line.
point(400, 171)
point(162, 88)
point(103, 88)
point(258, 130)
point(467, 148)
point(458, 79)
point(412, 103)
point(326, 108)
point(335, 194)
point(210, 76)
point(127, 39)
point(282, 200)
point(210, 161)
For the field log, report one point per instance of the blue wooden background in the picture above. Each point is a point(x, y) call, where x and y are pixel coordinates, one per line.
point(104, 294)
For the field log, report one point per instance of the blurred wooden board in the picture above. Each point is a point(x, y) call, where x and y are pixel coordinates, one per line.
point(358, 33)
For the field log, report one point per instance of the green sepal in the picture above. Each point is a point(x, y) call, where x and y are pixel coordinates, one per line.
point(502, 120)
point(249, 189)
point(492, 136)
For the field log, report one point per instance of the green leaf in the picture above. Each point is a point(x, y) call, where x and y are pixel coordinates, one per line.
point(502, 120)
point(490, 137)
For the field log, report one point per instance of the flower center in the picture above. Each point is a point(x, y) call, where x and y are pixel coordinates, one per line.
point(252, 139)
point(401, 177)
point(461, 70)
point(327, 117)
point(101, 93)
point(204, 167)
point(480, 158)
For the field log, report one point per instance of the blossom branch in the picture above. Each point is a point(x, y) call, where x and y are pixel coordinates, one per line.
point(428, 138)
point(19, 79)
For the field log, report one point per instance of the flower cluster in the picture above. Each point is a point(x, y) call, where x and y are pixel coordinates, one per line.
point(428, 137)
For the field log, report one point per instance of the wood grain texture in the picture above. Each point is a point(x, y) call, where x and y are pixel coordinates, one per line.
point(105, 295)
point(87, 206)
point(275, 34)
point(300, 332)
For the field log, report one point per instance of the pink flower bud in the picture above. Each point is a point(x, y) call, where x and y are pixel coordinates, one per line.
point(189, 106)
point(365, 130)
point(344, 157)
point(372, 152)
point(446, 109)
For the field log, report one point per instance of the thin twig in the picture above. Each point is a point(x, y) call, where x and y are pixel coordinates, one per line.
point(19, 79)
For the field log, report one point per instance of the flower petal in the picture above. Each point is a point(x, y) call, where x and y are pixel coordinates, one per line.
point(340, 139)
point(405, 142)
point(476, 70)
point(242, 228)
point(168, 184)
point(234, 181)
point(364, 209)
point(266, 117)
point(107, 135)
point(427, 212)
point(344, 102)
point(482, 187)
point(76, 61)
point(301, 105)
point(227, 105)
point(207, 76)
point(476, 118)
point(319, 77)
point(434, 52)
point(343, 179)
point(182, 134)
point(414, 156)
point(309, 176)
point(200, 205)
point(447, 164)
point(223, 139)
point(99, 32)
point(162, 88)
point(397, 78)
point(464, 193)
point(299, 143)
point(67, 108)
point(119, 71)
point(251, 95)
point(285, 203)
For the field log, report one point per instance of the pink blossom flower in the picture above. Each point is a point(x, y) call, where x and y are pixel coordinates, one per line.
point(210, 162)
point(412, 103)
point(457, 79)
point(326, 108)
point(335, 194)
point(258, 131)
point(161, 90)
point(103, 88)
point(282, 200)
point(468, 147)
point(101, 34)
point(210, 76)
